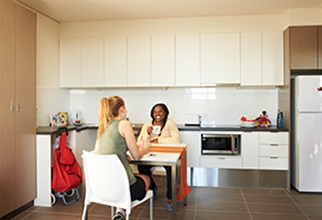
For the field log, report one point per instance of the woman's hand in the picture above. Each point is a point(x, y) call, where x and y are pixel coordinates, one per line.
point(156, 141)
point(145, 145)
point(149, 130)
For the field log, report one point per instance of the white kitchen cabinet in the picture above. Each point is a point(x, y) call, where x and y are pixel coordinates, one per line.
point(139, 61)
point(81, 63)
point(92, 62)
point(220, 58)
point(162, 61)
point(193, 141)
point(273, 58)
point(250, 150)
point(212, 161)
point(115, 55)
point(187, 49)
point(273, 151)
point(261, 59)
point(251, 59)
point(70, 63)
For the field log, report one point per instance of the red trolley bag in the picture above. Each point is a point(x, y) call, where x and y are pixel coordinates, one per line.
point(67, 174)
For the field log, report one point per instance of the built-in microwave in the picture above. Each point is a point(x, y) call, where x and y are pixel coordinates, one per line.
point(220, 144)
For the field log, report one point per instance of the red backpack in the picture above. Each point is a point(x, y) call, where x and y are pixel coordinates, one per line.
point(67, 173)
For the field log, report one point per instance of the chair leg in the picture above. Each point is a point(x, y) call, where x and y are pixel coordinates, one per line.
point(151, 208)
point(84, 216)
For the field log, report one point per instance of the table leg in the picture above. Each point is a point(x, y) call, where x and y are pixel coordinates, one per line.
point(174, 190)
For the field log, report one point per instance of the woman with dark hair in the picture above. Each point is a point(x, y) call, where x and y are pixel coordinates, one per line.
point(169, 134)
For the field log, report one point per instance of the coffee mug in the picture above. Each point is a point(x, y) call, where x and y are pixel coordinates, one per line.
point(156, 129)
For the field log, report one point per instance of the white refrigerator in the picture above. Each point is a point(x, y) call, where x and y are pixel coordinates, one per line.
point(307, 133)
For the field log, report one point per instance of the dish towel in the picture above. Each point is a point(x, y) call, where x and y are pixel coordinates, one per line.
point(183, 188)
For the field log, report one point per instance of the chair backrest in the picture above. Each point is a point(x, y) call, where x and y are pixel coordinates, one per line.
point(106, 180)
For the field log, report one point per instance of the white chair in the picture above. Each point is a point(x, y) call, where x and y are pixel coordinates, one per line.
point(107, 183)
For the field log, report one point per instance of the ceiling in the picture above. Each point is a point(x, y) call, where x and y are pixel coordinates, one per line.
point(94, 10)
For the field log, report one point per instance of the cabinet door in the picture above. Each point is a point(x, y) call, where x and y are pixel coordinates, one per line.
point(25, 116)
point(303, 47)
point(320, 47)
point(234, 162)
point(250, 150)
point(139, 61)
point(7, 151)
point(273, 59)
point(70, 63)
point(220, 59)
point(188, 60)
point(115, 62)
point(162, 61)
point(251, 59)
point(193, 141)
point(92, 62)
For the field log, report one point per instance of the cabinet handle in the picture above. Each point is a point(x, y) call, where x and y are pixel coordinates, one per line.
point(12, 106)
point(274, 144)
point(17, 106)
point(273, 157)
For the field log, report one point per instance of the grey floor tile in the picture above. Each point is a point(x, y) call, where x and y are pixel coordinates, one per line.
point(262, 208)
point(202, 203)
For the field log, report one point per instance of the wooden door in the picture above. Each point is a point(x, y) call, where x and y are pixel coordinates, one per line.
point(320, 47)
point(7, 160)
point(25, 115)
point(303, 47)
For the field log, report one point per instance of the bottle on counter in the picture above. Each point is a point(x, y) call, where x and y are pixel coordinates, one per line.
point(280, 119)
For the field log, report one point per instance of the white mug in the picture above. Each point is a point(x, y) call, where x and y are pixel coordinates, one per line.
point(156, 129)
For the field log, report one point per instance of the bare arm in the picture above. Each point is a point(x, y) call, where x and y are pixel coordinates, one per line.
point(136, 151)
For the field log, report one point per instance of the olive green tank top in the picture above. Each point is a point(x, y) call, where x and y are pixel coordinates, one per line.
point(112, 142)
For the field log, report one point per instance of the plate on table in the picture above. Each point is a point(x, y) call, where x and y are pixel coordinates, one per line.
point(248, 124)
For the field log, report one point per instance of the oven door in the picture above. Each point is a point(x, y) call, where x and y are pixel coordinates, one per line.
point(220, 144)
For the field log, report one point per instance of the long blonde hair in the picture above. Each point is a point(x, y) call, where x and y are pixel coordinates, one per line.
point(108, 109)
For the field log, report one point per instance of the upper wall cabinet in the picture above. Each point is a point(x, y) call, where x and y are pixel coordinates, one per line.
point(93, 62)
point(70, 63)
point(139, 61)
point(81, 63)
point(262, 58)
point(162, 61)
point(272, 59)
point(251, 59)
point(220, 58)
point(115, 61)
point(303, 47)
point(187, 60)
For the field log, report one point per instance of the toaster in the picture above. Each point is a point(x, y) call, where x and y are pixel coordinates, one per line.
point(192, 119)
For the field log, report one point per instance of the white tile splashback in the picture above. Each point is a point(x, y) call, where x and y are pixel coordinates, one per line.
point(215, 105)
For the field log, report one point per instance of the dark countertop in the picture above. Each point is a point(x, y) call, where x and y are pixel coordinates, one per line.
point(137, 128)
point(52, 130)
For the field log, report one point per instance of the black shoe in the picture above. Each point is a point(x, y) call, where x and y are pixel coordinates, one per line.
point(118, 216)
point(155, 192)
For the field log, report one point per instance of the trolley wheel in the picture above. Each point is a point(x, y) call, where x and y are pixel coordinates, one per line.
point(70, 193)
point(53, 199)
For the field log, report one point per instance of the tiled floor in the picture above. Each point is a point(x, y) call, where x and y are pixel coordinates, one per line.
point(203, 203)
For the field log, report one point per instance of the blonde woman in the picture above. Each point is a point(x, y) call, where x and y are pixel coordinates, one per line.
point(115, 136)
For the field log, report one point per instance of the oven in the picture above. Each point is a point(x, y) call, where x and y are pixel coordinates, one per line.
point(220, 143)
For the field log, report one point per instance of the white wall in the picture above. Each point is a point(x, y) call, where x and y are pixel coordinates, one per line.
point(50, 98)
point(220, 105)
point(215, 105)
